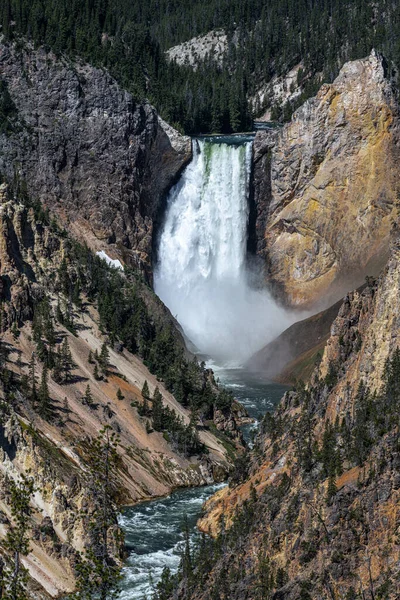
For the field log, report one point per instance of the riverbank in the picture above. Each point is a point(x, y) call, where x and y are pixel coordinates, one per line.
point(153, 529)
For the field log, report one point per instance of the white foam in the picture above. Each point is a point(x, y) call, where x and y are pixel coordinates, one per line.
point(202, 274)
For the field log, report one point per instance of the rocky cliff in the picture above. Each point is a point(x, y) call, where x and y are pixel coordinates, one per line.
point(326, 187)
point(38, 264)
point(88, 150)
point(315, 512)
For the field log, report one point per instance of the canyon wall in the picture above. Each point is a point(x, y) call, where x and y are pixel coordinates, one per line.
point(54, 446)
point(326, 187)
point(88, 150)
point(315, 512)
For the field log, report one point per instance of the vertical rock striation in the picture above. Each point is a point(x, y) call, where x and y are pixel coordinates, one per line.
point(326, 187)
point(88, 150)
point(316, 515)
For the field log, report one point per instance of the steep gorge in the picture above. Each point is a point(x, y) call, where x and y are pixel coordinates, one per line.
point(37, 261)
point(325, 197)
point(316, 513)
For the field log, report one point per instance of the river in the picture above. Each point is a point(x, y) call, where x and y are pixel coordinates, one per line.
point(217, 293)
point(154, 529)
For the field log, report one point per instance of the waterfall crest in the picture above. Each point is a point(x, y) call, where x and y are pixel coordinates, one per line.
point(201, 273)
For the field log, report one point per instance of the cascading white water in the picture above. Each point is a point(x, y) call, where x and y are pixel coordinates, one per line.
point(201, 273)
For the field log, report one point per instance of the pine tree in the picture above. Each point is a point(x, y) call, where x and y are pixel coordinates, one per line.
point(265, 582)
point(104, 358)
point(332, 489)
point(144, 409)
point(120, 395)
point(32, 378)
point(186, 559)
point(15, 576)
point(69, 318)
point(90, 358)
point(76, 295)
point(63, 278)
point(59, 313)
point(157, 410)
point(88, 398)
point(98, 573)
point(145, 390)
point(67, 364)
point(57, 366)
point(96, 373)
point(44, 406)
point(165, 587)
point(4, 352)
point(15, 331)
point(24, 386)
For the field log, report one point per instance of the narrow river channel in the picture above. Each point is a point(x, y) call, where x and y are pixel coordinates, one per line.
point(154, 529)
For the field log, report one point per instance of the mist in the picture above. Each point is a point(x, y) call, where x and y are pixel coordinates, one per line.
point(202, 273)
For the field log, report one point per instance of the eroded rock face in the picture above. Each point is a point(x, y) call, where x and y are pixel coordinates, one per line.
point(326, 187)
point(281, 513)
point(366, 331)
point(88, 151)
point(55, 450)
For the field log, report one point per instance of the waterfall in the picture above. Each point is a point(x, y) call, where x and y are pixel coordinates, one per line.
point(202, 274)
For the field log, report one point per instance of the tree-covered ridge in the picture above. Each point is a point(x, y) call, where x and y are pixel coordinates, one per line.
point(265, 39)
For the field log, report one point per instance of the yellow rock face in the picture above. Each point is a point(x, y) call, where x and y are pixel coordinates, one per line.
point(334, 182)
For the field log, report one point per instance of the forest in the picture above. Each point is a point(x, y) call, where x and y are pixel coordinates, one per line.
point(264, 39)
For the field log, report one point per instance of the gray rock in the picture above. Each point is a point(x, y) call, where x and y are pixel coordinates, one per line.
point(101, 161)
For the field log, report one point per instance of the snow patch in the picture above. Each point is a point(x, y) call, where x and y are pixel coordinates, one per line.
point(113, 263)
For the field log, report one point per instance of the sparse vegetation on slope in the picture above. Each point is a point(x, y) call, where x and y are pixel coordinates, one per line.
point(314, 512)
point(76, 335)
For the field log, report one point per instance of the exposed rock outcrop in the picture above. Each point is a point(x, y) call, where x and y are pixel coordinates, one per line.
point(55, 445)
point(88, 150)
point(213, 45)
point(326, 187)
point(317, 516)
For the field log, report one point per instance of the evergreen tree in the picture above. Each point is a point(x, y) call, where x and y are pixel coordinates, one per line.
point(165, 587)
point(157, 410)
point(96, 373)
point(120, 395)
point(145, 390)
point(144, 409)
point(25, 387)
point(332, 489)
point(59, 313)
point(98, 573)
point(88, 398)
point(57, 372)
point(4, 352)
point(15, 331)
point(186, 558)
point(67, 364)
point(32, 378)
point(44, 404)
point(63, 278)
point(104, 358)
point(15, 576)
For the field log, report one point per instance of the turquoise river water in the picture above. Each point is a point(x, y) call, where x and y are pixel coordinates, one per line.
point(154, 529)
